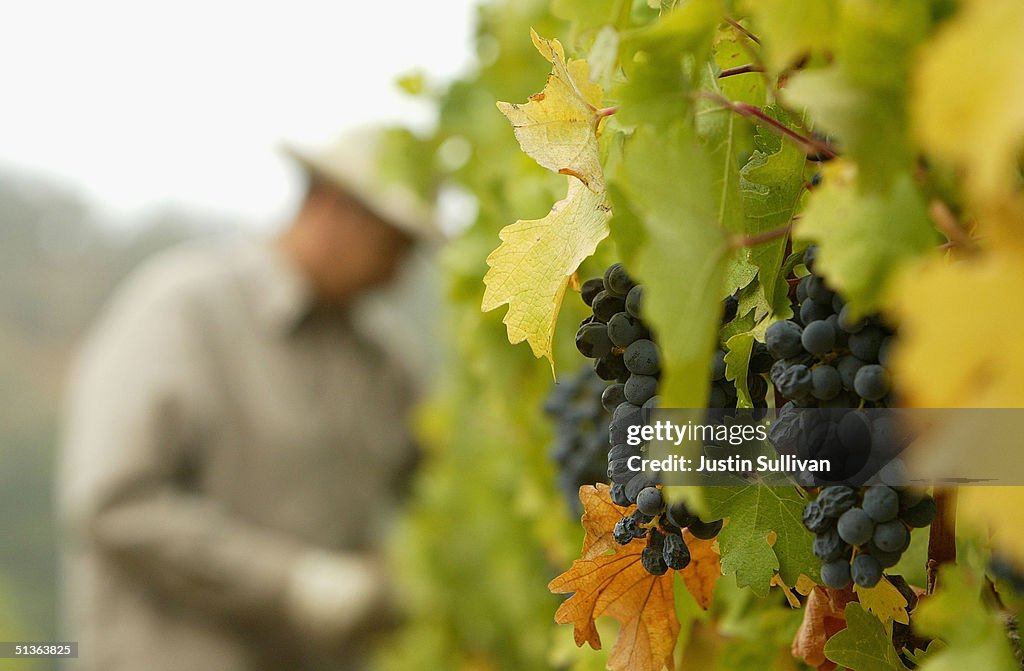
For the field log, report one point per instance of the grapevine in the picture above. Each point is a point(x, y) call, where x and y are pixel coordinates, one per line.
point(626, 355)
point(813, 216)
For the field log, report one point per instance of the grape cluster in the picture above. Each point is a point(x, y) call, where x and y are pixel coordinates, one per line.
point(626, 356)
point(824, 357)
point(860, 532)
point(581, 432)
point(666, 549)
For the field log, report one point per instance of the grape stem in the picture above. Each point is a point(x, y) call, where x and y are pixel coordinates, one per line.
point(811, 146)
point(946, 222)
point(736, 24)
point(740, 70)
point(738, 241)
point(942, 536)
point(774, 85)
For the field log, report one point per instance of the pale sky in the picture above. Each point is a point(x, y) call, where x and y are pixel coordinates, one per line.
point(142, 104)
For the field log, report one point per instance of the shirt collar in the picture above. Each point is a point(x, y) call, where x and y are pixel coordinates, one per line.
point(282, 294)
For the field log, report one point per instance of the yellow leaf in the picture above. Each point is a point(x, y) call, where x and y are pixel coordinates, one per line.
point(558, 127)
point(955, 320)
point(531, 268)
point(617, 585)
point(777, 581)
point(884, 601)
point(958, 350)
point(996, 509)
point(968, 104)
point(804, 585)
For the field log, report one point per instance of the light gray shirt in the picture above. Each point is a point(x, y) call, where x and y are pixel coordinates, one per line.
point(220, 426)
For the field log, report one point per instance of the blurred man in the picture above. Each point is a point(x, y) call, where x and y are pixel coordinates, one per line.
point(235, 446)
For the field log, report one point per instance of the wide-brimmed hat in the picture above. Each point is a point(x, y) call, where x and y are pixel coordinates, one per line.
point(350, 163)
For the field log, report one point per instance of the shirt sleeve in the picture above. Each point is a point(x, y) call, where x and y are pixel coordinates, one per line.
point(134, 422)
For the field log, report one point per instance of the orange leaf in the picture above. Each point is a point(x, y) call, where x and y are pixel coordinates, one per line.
point(599, 518)
point(824, 617)
point(617, 585)
point(704, 570)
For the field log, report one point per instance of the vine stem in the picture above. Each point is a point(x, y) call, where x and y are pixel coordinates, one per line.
point(775, 86)
point(946, 222)
point(736, 24)
point(942, 536)
point(738, 240)
point(740, 70)
point(810, 145)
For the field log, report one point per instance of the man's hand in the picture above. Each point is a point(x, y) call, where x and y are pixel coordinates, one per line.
point(332, 596)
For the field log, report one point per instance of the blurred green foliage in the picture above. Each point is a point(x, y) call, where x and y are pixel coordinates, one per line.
point(487, 529)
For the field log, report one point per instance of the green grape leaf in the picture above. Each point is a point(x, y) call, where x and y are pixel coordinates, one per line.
point(558, 127)
point(772, 185)
point(747, 88)
point(627, 229)
point(789, 31)
point(659, 81)
point(604, 56)
point(744, 321)
point(755, 514)
point(737, 362)
point(861, 98)
point(752, 302)
point(975, 636)
point(586, 15)
point(864, 645)
point(531, 268)
point(667, 177)
point(720, 129)
point(918, 657)
point(739, 273)
point(864, 237)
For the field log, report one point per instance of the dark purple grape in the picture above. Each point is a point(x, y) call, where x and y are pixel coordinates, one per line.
point(836, 573)
point(649, 501)
point(704, 530)
point(616, 281)
point(642, 357)
point(783, 339)
point(590, 289)
point(607, 305)
point(675, 552)
point(653, 561)
point(866, 571)
point(855, 526)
